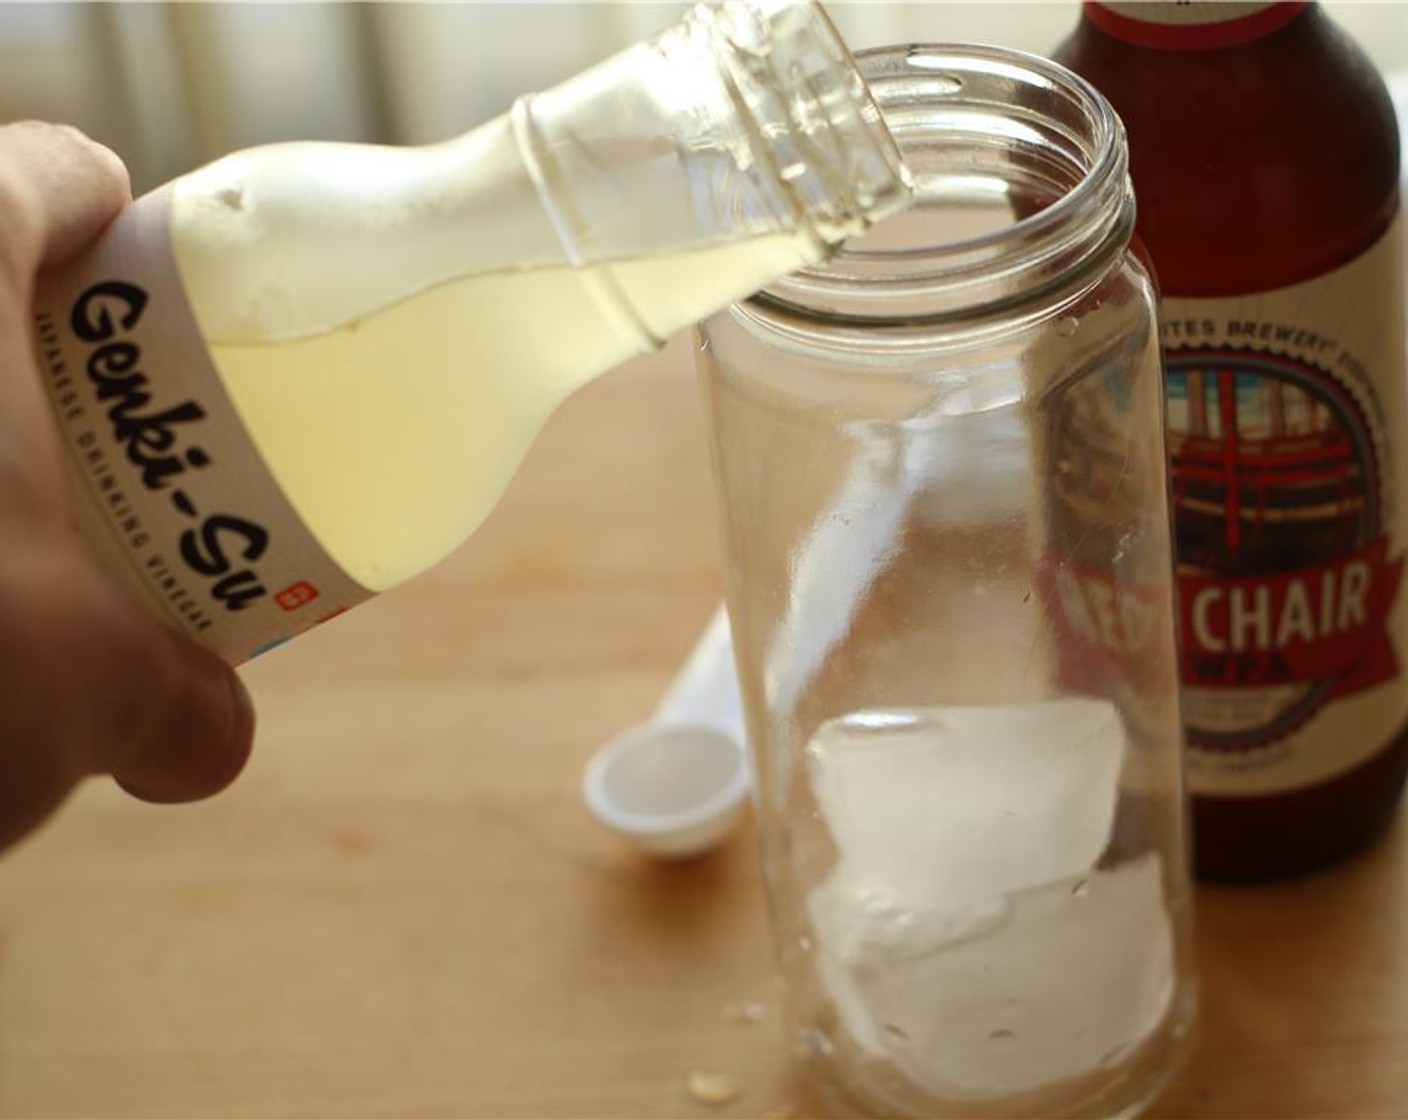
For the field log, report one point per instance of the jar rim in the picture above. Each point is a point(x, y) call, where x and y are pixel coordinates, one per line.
point(973, 108)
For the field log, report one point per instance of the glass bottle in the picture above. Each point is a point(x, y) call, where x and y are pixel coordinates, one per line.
point(302, 374)
point(1264, 151)
point(941, 464)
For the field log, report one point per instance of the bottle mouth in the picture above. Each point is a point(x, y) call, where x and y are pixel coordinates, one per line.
point(1020, 189)
point(802, 91)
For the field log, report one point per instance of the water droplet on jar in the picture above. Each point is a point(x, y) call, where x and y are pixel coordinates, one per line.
point(1066, 326)
point(1081, 888)
point(1002, 1036)
point(896, 1032)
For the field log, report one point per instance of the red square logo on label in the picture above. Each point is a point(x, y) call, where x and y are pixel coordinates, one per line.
point(296, 595)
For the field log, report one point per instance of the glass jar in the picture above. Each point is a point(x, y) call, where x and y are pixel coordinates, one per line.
point(941, 461)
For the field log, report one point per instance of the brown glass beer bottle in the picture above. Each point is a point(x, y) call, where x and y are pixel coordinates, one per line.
point(1265, 158)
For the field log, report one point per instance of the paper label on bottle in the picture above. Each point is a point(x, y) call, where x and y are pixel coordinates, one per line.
point(1191, 25)
point(168, 485)
point(1287, 430)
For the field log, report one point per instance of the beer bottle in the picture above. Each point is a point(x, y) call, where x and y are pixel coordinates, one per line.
point(1265, 156)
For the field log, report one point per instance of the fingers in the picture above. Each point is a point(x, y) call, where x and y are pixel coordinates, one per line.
point(169, 720)
point(90, 681)
point(57, 191)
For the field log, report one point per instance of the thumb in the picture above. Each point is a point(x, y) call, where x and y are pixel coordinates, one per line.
point(168, 720)
point(91, 683)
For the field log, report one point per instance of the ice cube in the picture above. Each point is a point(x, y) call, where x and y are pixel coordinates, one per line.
point(1063, 980)
point(853, 922)
point(945, 808)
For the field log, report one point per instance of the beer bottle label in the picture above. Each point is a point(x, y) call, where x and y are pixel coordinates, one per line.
point(167, 484)
point(1195, 26)
point(1286, 414)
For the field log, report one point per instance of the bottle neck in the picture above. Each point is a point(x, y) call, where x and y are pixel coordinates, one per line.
point(1197, 26)
point(747, 118)
point(806, 111)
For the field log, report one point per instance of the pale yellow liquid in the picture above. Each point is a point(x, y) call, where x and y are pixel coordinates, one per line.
point(394, 435)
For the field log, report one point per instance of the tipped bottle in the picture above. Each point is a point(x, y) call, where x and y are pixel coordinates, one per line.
point(304, 373)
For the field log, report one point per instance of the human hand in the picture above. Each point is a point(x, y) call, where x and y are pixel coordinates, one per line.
point(90, 682)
